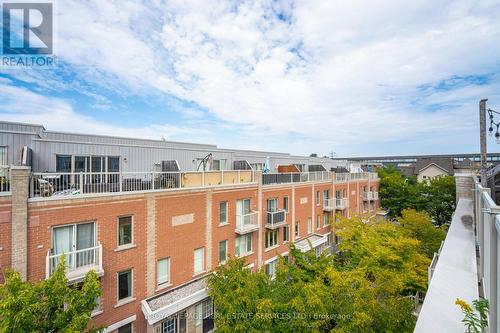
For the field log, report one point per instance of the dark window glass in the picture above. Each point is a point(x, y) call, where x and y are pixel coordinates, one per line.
point(113, 164)
point(82, 164)
point(124, 284)
point(125, 328)
point(63, 163)
point(124, 230)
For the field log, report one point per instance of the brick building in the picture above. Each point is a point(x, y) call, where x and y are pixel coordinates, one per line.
point(153, 235)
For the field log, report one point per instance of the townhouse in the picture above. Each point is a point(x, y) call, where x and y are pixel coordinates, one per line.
point(153, 218)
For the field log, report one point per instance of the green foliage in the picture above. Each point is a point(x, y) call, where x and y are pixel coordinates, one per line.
point(47, 306)
point(418, 225)
point(363, 288)
point(398, 192)
point(474, 322)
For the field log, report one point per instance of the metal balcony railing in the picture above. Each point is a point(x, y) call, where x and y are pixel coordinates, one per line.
point(78, 262)
point(247, 223)
point(76, 183)
point(296, 177)
point(370, 195)
point(276, 219)
point(340, 203)
point(329, 204)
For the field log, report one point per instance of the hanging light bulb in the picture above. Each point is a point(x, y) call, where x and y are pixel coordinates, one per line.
point(497, 136)
point(490, 131)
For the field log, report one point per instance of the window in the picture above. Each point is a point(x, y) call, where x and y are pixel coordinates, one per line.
point(63, 163)
point(223, 251)
point(326, 194)
point(223, 212)
point(243, 245)
point(256, 166)
point(318, 198)
point(74, 237)
point(127, 328)
point(199, 260)
point(243, 213)
point(124, 230)
point(326, 219)
point(297, 229)
point(272, 205)
point(113, 164)
point(3, 155)
point(285, 204)
point(204, 315)
point(124, 284)
point(309, 225)
point(271, 238)
point(163, 271)
point(82, 163)
point(271, 268)
point(318, 221)
point(286, 233)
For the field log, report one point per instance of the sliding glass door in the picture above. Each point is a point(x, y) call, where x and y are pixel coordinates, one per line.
point(77, 242)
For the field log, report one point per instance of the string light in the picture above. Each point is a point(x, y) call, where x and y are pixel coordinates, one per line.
point(491, 113)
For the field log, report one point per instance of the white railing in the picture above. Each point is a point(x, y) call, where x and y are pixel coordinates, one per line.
point(78, 262)
point(487, 236)
point(345, 177)
point(276, 219)
point(246, 223)
point(76, 183)
point(4, 179)
point(340, 203)
point(370, 195)
point(296, 177)
point(329, 204)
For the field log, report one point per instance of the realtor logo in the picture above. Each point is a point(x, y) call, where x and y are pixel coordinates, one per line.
point(27, 34)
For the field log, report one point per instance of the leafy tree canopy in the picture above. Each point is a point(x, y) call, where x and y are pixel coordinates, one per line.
point(47, 306)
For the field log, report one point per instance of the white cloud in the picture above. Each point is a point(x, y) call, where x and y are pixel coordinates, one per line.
point(337, 75)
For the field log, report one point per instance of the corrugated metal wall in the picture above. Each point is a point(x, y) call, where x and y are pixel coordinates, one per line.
point(135, 154)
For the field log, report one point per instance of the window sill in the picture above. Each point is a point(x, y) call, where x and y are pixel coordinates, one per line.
point(199, 273)
point(271, 248)
point(223, 224)
point(124, 301)
point(125, 247)
point(244, 255)
point(96, 313)
point(163, 286)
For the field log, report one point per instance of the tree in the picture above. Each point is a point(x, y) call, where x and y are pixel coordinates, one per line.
point(398, 192)
point(47, 306)
point(366, 287)
point(419, 225)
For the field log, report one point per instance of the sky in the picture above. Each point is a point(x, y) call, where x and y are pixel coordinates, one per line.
point(353, 78)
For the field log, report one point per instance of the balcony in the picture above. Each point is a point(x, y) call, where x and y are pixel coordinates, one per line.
point(329, 205)
point(466, 265)
point(354, 176)
point(341, 203)
point(370, 196)
point(296, 177)
point(64, 184)
point(247, 223)
point(276, 219)
point(78, 263)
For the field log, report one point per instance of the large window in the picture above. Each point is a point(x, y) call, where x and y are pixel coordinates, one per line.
point(318, 221)
point(243, 245)
point(163, 269)
point(243, 212)
point(272, 205)
point(199, 260)
point(271, 238)
point(326, 219)
point(125, 285)
point(223, 212)
point(223, 251)
point(326, 194)
point(204, 315)
point(77, 241)
point(63, 163)
point(309, 225)
point(125, 234)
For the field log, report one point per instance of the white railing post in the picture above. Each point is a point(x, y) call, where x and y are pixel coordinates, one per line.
point(120, 180)
point(152, 180)
point(47, 265)
point(80, 182)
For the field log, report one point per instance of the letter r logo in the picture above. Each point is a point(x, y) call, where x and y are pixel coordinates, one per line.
point(27, 28)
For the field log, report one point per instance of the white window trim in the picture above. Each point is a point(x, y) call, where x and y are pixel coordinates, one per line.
point(225, 260)
point(120, 302)
point(227, 214)
point(268, 232)
point(166, 283)
point(202, 262)
point(288, 200)
point(132, 241)
point(120, 323)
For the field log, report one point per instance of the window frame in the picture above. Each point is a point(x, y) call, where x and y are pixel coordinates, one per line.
point(131, 291)
point(286, 233)
point(225, 251)
point(271, 235)
point(226, 203)
point(286, 203)
point(248, 240)
point(163, 283)
point(203, 269)
point(128, 245)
